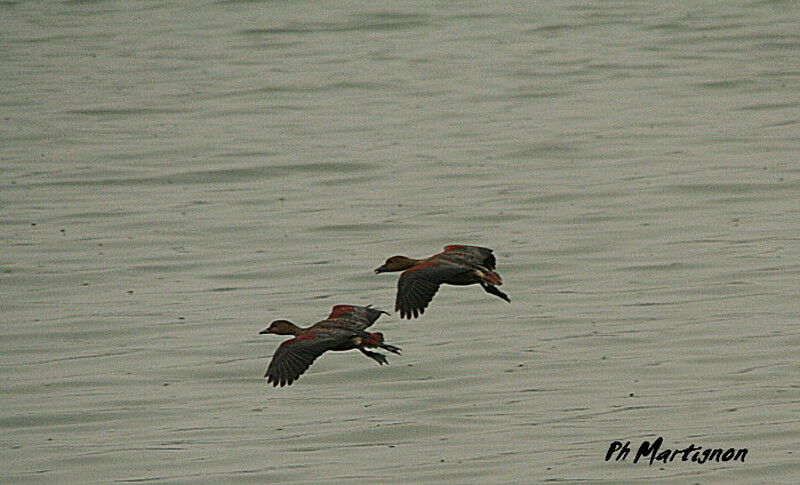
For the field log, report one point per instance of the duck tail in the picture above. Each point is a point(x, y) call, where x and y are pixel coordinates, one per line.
point(491, 277)
point(375, 339)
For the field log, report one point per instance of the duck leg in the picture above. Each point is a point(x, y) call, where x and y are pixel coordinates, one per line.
point(380, 358)
point(390, 348)
point(494, 291)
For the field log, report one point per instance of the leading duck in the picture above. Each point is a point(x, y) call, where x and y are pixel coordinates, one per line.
point(456, 265)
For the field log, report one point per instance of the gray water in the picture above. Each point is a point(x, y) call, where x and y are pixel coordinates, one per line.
point(175, 175)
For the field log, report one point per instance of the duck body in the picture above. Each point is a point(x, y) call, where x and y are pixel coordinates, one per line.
point(344, 329)
point(458, 264)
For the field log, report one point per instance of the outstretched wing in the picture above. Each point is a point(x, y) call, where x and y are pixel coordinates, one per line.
point(293, 357)
point(475, 255)
point(355, 317)
point(339, 310)
point(417, 286)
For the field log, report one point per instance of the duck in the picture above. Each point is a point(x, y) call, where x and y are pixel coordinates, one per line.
point(457, 265)
point(343, 329)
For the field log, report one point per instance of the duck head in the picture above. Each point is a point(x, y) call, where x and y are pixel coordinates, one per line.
point(281, 327)
point(396, 263)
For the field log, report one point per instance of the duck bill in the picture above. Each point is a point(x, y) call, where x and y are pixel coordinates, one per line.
point(381, 269)
point(265, 331)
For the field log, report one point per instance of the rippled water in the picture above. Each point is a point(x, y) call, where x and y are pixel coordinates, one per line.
point(176, 175)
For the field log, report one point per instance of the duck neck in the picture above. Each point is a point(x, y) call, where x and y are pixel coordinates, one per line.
point(287, 328)
point(293, 329)
point(407, 263)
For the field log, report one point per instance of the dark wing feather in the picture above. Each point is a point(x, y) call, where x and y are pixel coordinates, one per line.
point(418, 285)
point(361, 317)
point(350, 317)
point(293, 357)
point(474, 255)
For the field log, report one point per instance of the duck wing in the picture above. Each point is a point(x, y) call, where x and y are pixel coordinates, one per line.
point(475, 255)
point(354, 317)
point(417, 286)
point(293, 357)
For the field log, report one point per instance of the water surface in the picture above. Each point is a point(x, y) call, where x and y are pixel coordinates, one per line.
point(175, 176)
